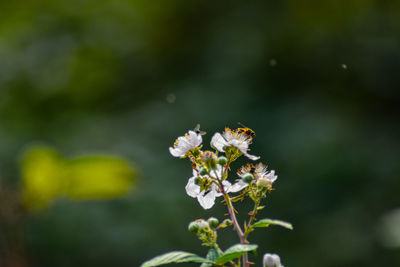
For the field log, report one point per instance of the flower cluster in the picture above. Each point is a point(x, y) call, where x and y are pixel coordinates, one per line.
point(209, 179)
point(210, 170)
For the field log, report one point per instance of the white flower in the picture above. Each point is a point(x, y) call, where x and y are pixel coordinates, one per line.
point(260, 172)
point(272, 260)
point(266, 179)
point(233, 138)
point(185, 143)
point(207, 197)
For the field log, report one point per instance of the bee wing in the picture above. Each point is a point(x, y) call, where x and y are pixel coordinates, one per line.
point(241, 124)
point(197, 129)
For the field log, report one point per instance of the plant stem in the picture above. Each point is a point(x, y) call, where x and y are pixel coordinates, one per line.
point(235, 223)
point(232, 215)
point(233, 218)
point(252, 218)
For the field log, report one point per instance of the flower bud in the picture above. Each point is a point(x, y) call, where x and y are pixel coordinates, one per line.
point(202, 224)
point(222, 160)
point(213, 222)
point(271, 260)
point(248, 177)
point(203, 171)
point(193, 227)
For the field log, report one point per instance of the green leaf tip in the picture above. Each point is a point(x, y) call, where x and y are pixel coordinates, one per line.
point(212, 255)
point(174, 257)
point(235, 252)
point(268, 222)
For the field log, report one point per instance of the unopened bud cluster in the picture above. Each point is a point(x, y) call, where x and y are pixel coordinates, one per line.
point(205, 230)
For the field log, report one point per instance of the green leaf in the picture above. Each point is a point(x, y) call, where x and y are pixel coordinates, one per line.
point(268, 222)
point(212, 255)
point(234, 252)
point(174, 257)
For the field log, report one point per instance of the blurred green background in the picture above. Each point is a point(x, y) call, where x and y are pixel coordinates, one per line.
point(318, 81)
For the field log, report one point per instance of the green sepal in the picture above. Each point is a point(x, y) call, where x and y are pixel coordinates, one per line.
point(237, 198)
point(235, 252)
point(225, 223)
point(174, 257)
point(268, 222)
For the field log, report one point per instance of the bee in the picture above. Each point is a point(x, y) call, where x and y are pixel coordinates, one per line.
point(245, 130)
point(252, 169)
point(198, 131)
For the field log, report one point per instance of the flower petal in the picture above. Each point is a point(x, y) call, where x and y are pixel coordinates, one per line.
point(176, 152)
point(192, 189)
point(271, 176)
point(195, 139)
point(218, 142)
point(207, 200)
point(242, 145)
point(252, 157)
point(238, 186)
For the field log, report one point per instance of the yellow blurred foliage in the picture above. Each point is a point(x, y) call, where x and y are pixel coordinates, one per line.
point(98, 177)
point(47, 175)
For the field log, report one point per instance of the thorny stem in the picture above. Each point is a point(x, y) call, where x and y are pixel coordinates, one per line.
point(252, 218)
point(236, 225)
point(233, 216)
